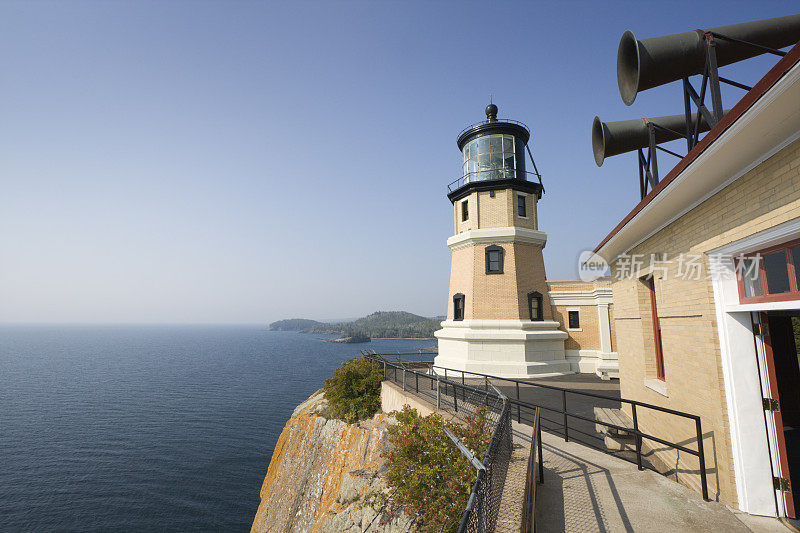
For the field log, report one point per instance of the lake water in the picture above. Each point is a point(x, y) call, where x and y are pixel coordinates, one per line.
point(149, 428)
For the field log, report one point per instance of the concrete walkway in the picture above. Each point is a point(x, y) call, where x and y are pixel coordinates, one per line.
point(586, 490)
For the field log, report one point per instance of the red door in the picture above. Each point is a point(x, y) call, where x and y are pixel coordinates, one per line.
point(773, 387)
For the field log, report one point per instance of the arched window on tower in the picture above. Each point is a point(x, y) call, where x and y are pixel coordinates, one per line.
point(535, 305)
point(494, 259)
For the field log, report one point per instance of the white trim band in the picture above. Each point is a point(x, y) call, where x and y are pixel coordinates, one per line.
point(493, 235)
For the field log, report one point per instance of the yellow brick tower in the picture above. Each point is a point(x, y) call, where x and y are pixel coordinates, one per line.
point(499, 319)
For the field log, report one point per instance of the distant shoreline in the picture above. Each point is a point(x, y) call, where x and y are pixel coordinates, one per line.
point(404, 338)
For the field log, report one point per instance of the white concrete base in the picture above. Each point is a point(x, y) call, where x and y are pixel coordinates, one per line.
point(505, 348)
point(605, 365)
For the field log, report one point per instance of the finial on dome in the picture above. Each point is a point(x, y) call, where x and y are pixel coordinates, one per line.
point(491, 113)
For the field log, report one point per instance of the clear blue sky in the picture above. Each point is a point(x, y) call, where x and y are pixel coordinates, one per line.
point(241, 162)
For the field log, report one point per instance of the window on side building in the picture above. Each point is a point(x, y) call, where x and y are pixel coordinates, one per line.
point(535, 306)
point(464, 211)
point(522, 210)
point(458, 306)
point(574, 319)
point(494, 259)
point(770, 275)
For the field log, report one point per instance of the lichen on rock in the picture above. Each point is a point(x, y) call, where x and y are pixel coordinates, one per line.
point(325, 474)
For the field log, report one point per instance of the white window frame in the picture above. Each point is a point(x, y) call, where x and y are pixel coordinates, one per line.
point(578, 309)
point(516, 205)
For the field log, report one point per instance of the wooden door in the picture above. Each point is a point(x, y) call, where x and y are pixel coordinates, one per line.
point(773, 387)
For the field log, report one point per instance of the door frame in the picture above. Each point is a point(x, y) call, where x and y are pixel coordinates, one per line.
point(742, 366)
point(779, 456)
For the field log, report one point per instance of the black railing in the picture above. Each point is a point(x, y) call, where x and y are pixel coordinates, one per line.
point(460, 400)
point(529, 409)
point(491, 175)
point(534, 459)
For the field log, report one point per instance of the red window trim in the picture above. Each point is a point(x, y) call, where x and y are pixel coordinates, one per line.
point(794, 291)
point(651, 283)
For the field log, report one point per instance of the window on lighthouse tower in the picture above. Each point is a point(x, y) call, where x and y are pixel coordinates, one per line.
point(458, 306)
point(522, 210)
point(535, 305)
point(494, 259)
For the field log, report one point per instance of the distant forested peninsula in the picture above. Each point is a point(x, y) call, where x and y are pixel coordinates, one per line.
point(381, 324)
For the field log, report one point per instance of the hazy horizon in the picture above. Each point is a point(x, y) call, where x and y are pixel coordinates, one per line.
point(245, 162)
point(323, 320)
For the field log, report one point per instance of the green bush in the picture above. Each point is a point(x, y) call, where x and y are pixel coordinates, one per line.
point(428, 474)
point(354, 391)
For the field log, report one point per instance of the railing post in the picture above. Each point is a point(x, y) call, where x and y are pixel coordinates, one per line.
point(702, 458)
point(445, 382)
point(564, 405)
point(404, 379)
point(519, 417)
point(638, 438)
point(455, 398)
point(438, 393)
point(416, 378)
point(486, 383)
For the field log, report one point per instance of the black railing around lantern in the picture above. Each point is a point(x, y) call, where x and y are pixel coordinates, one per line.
point(493, 175)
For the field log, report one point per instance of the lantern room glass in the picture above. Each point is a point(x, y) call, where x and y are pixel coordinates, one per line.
point(492, 157)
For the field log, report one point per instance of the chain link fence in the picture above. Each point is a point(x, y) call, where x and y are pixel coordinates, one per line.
point(458, 401)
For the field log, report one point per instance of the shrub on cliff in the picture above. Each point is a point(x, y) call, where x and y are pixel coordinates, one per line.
point(428, 475)
point(354, 391)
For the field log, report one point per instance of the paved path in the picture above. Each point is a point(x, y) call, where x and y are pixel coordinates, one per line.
point(512, 501)
point(586, 490)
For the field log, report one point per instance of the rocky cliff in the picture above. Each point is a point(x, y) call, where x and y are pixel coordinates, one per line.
point(324, 475)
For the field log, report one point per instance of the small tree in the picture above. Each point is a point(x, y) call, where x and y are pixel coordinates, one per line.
point(354, 391)
point(428, 474)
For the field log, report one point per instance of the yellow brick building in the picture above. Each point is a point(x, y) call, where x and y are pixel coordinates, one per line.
point(695, 329)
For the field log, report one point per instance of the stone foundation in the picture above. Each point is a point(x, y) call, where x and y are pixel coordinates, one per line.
point(505, 348)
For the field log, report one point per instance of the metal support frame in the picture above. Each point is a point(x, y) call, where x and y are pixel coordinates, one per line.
point(648, 166)
point(711, 82)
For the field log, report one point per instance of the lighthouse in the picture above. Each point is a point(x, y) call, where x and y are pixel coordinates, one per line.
point(499, 316)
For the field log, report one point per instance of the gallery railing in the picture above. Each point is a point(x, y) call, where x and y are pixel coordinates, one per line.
point(525, 413)
point(492, 175)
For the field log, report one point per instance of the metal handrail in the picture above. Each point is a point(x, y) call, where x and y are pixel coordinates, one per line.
point(530, 477)
point(472, 177)
point(495, 121)
point(699, 453)
point(418, 358)
point(573, 391)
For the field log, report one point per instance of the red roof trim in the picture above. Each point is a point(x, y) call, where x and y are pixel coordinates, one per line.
point(782, 67)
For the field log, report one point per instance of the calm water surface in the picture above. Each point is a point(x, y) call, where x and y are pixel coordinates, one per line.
point(149, 428)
